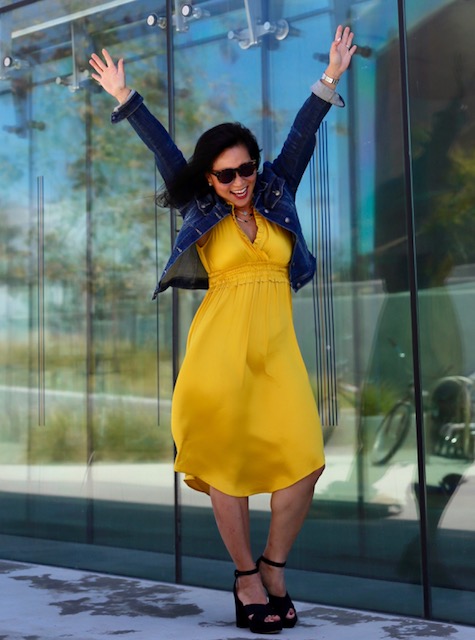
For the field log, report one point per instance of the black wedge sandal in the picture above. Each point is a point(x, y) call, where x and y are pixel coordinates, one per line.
point(280, 604)
point(259, 612)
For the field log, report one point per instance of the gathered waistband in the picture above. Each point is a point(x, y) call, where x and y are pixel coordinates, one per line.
point(250, 272)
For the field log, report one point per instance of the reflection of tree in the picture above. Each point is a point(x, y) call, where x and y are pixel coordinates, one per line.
point(120, 180)
point(123, 186)
point(82, 156)
point(13, 257)
point(454, 211)
point(432, 169)
point(13, 249)
point(443, 219)
point(88, 165)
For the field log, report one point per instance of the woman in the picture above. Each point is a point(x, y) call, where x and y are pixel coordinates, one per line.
point(244, 418)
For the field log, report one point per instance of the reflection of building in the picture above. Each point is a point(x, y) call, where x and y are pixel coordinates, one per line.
point(440, 129)
point(89, 475)
point(440, 133)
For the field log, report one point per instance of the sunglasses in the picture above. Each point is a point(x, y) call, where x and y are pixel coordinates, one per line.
point(226, 176)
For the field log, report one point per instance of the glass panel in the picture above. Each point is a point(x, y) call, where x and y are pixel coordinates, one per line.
point(225, 86)
point(237, 81)
point(363, 518)
point(442, 125)
point(86, 356)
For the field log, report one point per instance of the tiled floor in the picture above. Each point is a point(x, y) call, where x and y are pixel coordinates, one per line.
point(45, 603)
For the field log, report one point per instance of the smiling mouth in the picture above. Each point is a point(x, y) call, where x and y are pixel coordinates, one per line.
point(241, 193)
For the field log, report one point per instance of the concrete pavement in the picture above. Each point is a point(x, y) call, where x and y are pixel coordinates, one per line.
point(39, 602)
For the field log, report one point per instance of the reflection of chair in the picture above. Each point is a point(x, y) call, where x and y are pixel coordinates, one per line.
point(451, 438)
point(453, 432)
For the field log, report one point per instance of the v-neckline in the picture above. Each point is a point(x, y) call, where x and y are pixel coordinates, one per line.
point(241, 230)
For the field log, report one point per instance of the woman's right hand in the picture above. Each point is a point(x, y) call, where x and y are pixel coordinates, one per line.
point(111, 77)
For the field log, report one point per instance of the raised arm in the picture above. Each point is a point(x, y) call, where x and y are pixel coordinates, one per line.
point(300, 143)
point(111, 77)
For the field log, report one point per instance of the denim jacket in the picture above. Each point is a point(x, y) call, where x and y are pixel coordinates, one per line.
point(274, 193)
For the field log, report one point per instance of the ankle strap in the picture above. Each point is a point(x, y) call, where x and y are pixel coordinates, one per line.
point(251, 572)
point(271, 562)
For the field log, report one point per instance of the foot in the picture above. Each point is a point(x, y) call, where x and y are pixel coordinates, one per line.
point(250, 590)
point(274, 582)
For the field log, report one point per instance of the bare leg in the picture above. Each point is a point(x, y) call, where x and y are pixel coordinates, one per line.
point(289, 508)
point(232, 518)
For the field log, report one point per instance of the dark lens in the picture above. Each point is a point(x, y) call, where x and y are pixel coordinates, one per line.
point(247, 169)
point(226, 175)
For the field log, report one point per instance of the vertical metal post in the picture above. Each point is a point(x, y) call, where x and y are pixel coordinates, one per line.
point(356, 314)
point(41, 299)
point(157, 306)
point(32, 366)
point(90, 355)
point(412, 267)
point(175, 305)
point(267, 124)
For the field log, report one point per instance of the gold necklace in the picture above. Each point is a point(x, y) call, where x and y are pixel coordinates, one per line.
point(250, 214)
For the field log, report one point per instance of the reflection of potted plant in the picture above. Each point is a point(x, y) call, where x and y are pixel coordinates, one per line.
point(377, 400)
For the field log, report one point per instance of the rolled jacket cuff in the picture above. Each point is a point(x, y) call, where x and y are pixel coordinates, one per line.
point(124, 110)
point(325, 93)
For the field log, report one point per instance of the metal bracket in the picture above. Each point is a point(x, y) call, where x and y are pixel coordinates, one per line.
point(256, 30)
point(185, 13)
point(80, 45)
point(7, 61)
point(13, 64)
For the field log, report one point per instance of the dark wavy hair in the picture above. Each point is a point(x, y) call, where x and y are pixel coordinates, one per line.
point(191, 181)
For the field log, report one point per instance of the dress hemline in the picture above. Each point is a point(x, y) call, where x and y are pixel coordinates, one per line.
point(198, 484)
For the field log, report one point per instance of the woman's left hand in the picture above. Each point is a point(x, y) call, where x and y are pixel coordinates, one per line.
point(341, 52)
point(110, 76)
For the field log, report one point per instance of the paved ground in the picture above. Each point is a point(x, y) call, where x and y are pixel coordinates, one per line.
point(45, 603)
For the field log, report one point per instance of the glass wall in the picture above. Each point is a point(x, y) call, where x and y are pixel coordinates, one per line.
point(86, 357)
point(442, 127)
point(87, 361)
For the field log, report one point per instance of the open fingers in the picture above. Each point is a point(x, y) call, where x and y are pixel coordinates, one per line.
point(338, 33)
point(107, 58)
point(99, 64)
point(96, 63)
point(347, 38)
point(348, 42)
point(344, 36)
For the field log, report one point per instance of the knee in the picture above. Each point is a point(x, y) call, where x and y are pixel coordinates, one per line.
point(311, 480)
point(316, 474)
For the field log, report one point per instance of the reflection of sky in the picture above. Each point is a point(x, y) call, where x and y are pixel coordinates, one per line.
point(231, 83)
point(219, 81)
point(376, 25)
point(224, 82)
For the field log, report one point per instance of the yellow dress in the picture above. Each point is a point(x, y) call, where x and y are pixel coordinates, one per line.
point(244, 417)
